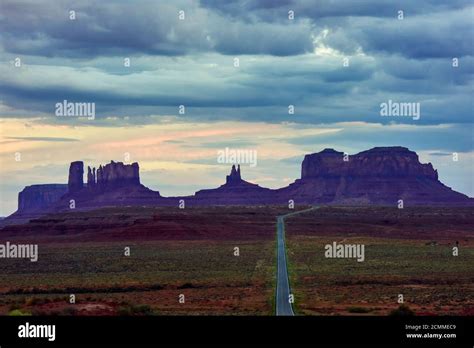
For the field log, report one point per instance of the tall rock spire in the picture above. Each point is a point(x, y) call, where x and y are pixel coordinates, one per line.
point(76, 176)
point(234, 176)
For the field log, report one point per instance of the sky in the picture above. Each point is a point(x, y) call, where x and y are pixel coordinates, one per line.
point(175, 82)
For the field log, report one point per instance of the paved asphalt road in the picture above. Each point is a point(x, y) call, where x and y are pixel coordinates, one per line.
point(283, 305)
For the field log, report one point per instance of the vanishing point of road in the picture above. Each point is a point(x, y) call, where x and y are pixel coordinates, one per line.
point(282, 300)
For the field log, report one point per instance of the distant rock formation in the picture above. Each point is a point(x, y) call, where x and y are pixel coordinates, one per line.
point(234, 177)
point(382, 175)
point(38, 197)
point(114, 184)
point(234, 191)
point(91, 179)
point(76, 176)
point(113, 175)
point(387, 162)
point(325, 163)
point(110, 176)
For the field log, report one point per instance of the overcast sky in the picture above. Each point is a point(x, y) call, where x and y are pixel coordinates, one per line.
point(336, 62)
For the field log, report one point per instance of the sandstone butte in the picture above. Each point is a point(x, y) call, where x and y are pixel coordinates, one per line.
point(379, 176)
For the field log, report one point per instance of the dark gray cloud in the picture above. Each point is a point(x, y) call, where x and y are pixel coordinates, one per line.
point(282, 62)
point(142, 27)
point(430, 28)
point(43, 28)
point(441, 154)
point(299, 62)
point(269, 9)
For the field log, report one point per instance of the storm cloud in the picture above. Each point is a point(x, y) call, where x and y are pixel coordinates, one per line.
point(336, 61)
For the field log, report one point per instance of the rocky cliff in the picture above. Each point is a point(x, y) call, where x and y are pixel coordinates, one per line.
point(382, 175)
point(38, 197)
point(115, 183)
point(234, 177)
point(113, 175)
point(387, 162)
point(76, 176)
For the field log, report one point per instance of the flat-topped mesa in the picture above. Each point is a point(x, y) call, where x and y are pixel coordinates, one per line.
point(115, 174)
point(328, 162)
point(112, 175)
point(389, 162)
point(37, 197)
point(385, 162)
point(382, 175)
point(234, 177)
